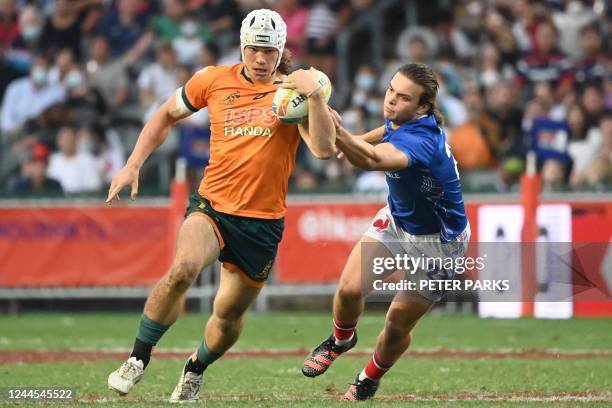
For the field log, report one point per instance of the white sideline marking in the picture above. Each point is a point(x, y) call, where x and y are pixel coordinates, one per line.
point(607, 397)
point(500, 352)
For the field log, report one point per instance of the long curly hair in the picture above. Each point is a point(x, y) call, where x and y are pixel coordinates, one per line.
point(424, 76)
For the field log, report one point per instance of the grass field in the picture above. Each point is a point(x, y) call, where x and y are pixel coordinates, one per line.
point(458, 361)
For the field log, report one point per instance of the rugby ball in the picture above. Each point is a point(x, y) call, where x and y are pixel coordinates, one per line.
point(291, 107)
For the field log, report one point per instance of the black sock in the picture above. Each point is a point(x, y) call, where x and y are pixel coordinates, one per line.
point(196, 366)
point(142, 351)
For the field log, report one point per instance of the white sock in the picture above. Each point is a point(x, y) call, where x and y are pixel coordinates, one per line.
point(343, 342)
point(362, 375)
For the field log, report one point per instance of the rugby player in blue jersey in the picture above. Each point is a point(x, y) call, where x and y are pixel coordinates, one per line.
point(424, 217)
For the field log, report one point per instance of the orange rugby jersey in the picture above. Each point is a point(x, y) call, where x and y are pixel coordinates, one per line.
point(252, 153)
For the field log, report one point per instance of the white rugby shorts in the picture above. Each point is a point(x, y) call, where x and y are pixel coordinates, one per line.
point(399, 242)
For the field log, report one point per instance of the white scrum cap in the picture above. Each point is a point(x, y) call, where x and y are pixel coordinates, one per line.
point(263, 28)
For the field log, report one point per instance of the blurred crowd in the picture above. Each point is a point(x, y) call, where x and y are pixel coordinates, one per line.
point(78, 77)
point(516, 76)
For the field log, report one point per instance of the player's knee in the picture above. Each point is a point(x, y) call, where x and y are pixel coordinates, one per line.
point(348, 292)
point(228, 324)
point(397, 326)
point(182, 274)
point(232, 313)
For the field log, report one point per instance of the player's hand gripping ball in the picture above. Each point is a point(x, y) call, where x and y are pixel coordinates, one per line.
point(292, 107)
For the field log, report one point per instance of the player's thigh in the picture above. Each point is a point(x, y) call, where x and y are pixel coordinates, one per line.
point(358, 273)
point(234, 295)
point(197, 245)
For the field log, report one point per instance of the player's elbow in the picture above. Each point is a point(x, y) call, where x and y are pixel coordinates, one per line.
point(323, 156)
point(323, 152)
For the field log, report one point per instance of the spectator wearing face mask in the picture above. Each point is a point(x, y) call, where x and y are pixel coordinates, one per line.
point(77, 171)
point(28, 97)
point(86, 104)
point(366, 97)
point(26, 43)
point(364, 85)
point(188, 44)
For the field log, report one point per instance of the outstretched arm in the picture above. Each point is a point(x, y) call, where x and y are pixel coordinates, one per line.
point(362, 154)
point(153, 134)
point(373, 137)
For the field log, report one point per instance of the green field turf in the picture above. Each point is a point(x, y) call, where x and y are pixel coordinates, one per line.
point(265, 381)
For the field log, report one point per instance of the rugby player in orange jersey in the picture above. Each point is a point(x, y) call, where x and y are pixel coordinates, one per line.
point(237, 214)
